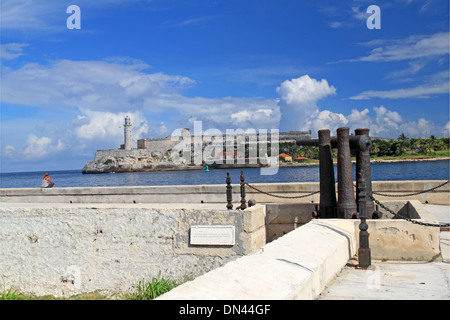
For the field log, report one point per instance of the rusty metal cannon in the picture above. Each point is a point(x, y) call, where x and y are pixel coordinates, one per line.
point(360, 143)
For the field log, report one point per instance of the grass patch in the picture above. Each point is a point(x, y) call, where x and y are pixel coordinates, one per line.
point(436, 154)
point(15, 294)
point(12, 294)
point(145, 290)
point(148, 290)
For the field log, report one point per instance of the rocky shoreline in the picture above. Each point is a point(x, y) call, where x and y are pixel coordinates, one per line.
point(118, 161)
point(289, 164)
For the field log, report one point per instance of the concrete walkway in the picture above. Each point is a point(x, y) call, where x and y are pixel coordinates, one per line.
point(397, 280)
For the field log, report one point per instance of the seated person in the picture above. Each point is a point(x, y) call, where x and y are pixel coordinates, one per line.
point(47, 182)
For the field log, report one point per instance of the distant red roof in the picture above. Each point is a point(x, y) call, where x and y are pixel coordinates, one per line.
point(284, 155)
point(301, 158)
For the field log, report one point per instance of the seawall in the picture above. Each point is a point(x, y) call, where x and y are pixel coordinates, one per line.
point(66, 249)
point(217, 193)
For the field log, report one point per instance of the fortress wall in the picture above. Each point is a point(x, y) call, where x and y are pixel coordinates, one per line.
point(163, 144)
point(115, 153)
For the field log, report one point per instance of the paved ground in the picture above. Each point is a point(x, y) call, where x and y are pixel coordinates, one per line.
point(397, 280)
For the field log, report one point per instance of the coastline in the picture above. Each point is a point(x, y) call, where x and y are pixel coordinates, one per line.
point(418, 159)
point(243, 166)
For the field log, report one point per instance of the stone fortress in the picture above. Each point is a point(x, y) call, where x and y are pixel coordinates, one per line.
point(155, 154)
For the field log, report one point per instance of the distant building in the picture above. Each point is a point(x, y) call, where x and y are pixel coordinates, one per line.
point(127, 135)
point(169, 142)
point(285, 157)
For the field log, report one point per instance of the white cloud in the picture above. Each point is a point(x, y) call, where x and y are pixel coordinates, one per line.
point(225, 113)
point(257, 119)
point(104, 92)
point(44, 15)
point(359, 14)
point(417, 51)
point(390, 124)
point(304, 90)
point(421, 91)
point(327, 120)
point(26, 14)
point(99, 125)
point(298, 101)
point(37, 147)
point(413, 47)
point(298, 106)
point(9, 51)
point(446, 130)
point(96, 85)
point(10, 151)
point(413, 68)
point(117, 87)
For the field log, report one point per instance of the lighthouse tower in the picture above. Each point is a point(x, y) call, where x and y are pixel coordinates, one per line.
point(127, 134)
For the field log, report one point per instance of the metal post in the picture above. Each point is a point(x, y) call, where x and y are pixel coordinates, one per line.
point(346, 206)
point(243, 204)
point(229, 192)
point(326, 173)
point(363, 168)
point(364, 257)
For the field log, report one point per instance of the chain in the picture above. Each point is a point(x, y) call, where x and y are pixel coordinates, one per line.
point(428, 224)
point(284, 197)
point(373, 199)
point(409, 194)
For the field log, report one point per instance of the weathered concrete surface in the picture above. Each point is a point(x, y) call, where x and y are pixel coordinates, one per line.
point(295, 266)
point(397, 239)
point(389, 280)
point(282, 218)
point(65, 249)
point(216, 193)
point(301, 264)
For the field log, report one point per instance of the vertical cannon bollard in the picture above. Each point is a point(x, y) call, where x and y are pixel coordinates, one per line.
point(363, 168)
point(364, 257)
point(346, 206)
point(243, 204)
point(327, 207)
point(229, 192)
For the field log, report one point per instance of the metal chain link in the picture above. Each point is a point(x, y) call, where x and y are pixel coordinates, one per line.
point(284, 197)
point(409, 194)
point(373, 199)
point(428, 224)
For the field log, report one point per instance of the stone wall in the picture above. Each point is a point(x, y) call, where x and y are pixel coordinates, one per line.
point(65, 249)
point(216, 193)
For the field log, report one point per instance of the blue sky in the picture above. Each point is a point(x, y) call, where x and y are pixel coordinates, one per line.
point(261, 64)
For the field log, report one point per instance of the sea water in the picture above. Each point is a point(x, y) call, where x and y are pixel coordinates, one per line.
point(419, 170)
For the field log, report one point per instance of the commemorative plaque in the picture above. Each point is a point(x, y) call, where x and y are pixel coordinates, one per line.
point(212, 235)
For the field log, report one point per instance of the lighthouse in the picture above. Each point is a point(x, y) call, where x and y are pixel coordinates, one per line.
point(127, 134)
